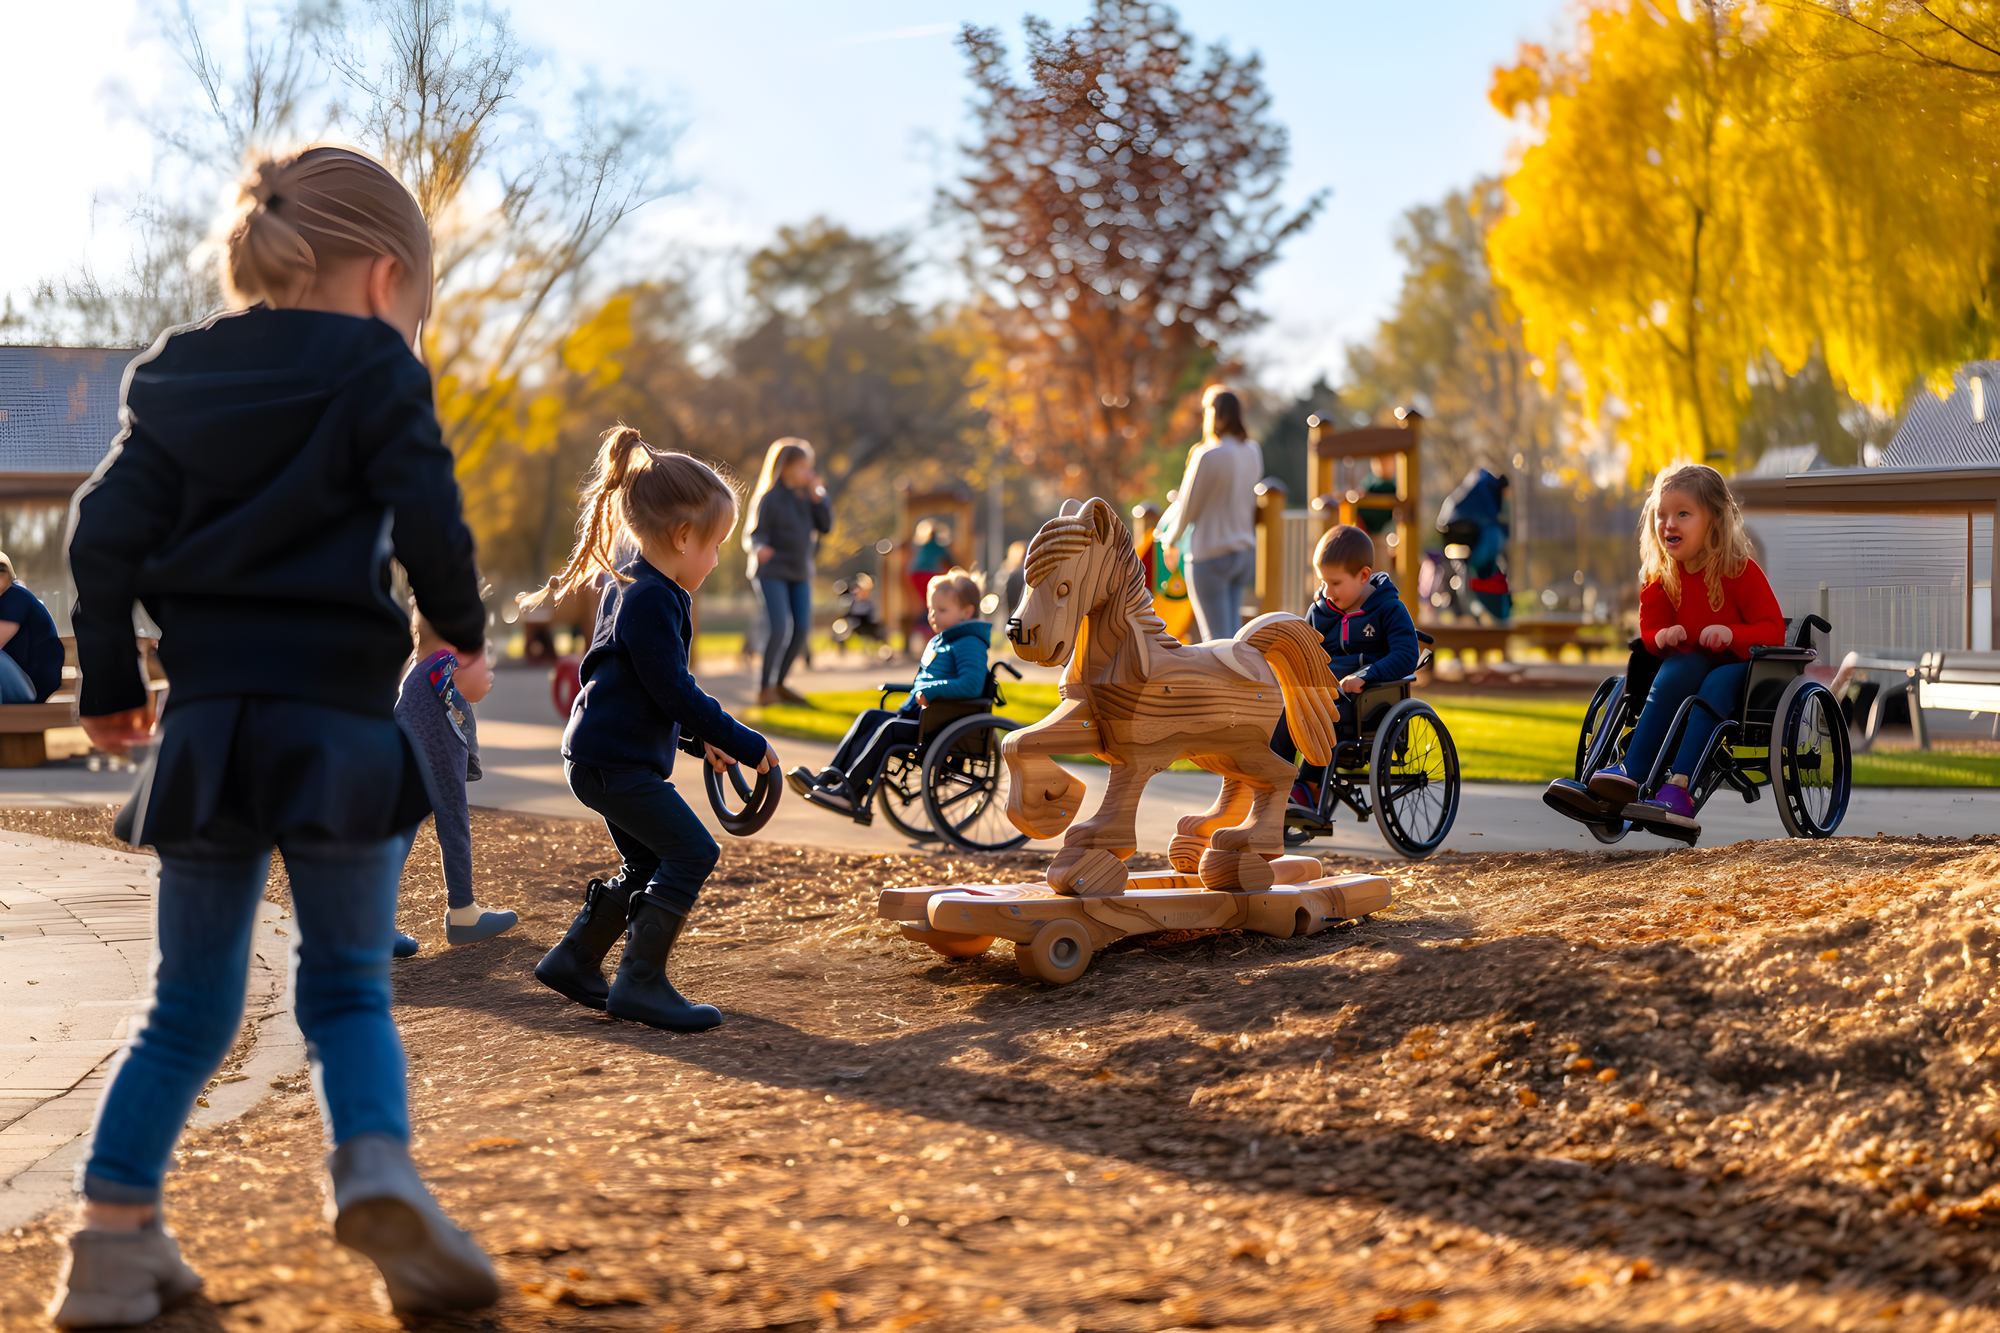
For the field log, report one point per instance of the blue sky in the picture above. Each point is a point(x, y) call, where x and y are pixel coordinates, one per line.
point(851, 110)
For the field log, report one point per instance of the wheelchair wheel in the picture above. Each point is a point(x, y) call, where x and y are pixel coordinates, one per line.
point(899, 795)
point(1815, 771)
point(1607, 709)
point(1413, 771)
point(966, 784)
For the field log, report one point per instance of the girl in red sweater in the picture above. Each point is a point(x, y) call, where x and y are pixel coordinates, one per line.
point(1703, 604)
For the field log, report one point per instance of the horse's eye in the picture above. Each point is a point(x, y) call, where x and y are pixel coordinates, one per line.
point(1062, 589)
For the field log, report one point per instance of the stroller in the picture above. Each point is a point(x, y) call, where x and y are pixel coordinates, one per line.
point(859, 616)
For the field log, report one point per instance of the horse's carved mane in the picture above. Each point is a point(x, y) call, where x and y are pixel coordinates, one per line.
point(1071, 534)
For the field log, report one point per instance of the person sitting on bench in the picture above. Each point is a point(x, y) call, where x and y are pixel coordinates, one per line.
point(953, 667)
point(31, 653)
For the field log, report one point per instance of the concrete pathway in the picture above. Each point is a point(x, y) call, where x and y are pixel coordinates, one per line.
point(521, 742)
point(76, 958)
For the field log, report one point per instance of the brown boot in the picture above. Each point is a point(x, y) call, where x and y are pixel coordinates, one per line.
point(769, 695)
point(791, 695)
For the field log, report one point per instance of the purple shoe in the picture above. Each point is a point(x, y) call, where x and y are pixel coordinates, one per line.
point(1614, 785)
point(1670, 805)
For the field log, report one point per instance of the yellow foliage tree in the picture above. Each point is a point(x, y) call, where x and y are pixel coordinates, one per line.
point(1716, 184)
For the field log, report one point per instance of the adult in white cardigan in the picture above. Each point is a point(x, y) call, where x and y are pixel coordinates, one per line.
point(1215, 517)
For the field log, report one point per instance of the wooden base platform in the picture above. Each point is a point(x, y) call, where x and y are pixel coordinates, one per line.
point(1055, 935)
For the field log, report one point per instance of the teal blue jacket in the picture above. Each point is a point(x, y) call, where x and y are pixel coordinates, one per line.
point(954, 663)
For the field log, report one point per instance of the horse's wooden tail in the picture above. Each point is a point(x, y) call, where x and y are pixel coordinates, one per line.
point(1305, 679)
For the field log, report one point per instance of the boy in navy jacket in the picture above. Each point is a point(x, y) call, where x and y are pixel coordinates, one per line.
point(1367, 630)
point(953, 667)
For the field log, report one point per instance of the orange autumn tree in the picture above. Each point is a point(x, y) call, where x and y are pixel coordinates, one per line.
point(1123, 201)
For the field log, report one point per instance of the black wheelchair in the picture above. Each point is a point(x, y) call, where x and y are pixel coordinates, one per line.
point(1781, 714)
point(1400, 767)
point(953, 783)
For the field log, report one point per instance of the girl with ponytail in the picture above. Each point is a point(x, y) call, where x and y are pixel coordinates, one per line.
point(275, 458)
point(637, 698)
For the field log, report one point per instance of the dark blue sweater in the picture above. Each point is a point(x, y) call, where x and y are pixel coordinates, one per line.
point(637, 691)
point(272, 465)
point(1377, 642)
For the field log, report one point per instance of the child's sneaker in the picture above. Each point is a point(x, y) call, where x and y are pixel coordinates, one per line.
point(1614, 785)
point(406, 946)
point(1670, 805)
point(114, 1279)
point(800, 779)
point(831, 798)
point(1567, 796)
point(470, 925)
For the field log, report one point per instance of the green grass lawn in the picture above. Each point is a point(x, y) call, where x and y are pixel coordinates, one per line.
point(1500, 737)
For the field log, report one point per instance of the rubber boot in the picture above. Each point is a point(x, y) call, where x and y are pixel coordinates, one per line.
point(641, 992)
point(383, 1210)
point(575, 967)
point(115, 1279)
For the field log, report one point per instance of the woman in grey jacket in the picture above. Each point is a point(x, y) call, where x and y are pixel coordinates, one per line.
point(788, 511)
point(1218, 501)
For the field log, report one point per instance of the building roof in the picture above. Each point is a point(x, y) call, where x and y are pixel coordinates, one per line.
point(58, 407)
point(1941, 432)
point(1787, 459)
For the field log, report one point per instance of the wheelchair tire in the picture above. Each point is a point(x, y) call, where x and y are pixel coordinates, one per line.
point(1606, 708)
point(1413, 774)
point(966, 785)
point(1815, 771)
point(907, 817)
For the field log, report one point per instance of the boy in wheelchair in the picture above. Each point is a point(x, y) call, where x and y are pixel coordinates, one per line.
point(953, 667)
point(1366, 629)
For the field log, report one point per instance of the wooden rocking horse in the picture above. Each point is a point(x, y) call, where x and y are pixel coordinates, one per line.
point(1140, 699)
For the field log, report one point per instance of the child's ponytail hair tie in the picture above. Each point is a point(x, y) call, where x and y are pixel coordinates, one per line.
point(647, 491)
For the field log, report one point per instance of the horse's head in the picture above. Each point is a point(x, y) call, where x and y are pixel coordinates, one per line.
point(1066, 575)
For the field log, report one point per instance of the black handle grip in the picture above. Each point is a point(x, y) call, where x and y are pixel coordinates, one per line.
point(1008, 667)
point(755, 805)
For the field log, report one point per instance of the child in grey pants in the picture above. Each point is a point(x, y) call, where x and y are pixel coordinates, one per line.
point(434, 709)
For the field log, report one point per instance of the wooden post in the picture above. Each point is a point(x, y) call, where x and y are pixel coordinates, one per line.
point(1405, 442)
point(1271, 546)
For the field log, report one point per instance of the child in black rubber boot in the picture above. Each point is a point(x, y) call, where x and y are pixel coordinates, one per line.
point(637, 695)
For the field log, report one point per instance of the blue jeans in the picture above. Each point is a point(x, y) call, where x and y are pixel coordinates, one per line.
point(665, 849)
point(15, 687)
point(1218, 586)
point(344, 907)
point(788, 611)
point(1680, 678)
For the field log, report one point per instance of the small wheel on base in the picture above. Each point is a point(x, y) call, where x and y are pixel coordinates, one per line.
point(949, 942)
point(1058, 954)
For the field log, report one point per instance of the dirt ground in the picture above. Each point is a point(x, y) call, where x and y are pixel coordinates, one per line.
point(1741, 1087)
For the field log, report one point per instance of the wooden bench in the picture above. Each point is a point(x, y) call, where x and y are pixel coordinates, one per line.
point(1551, 636)
point(24, 728)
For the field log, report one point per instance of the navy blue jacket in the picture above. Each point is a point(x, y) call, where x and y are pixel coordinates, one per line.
point(954, 664)
point(272, 464)
point(1479, 499)
point(1377, 642)
point(35, 645)
point(637, 691)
